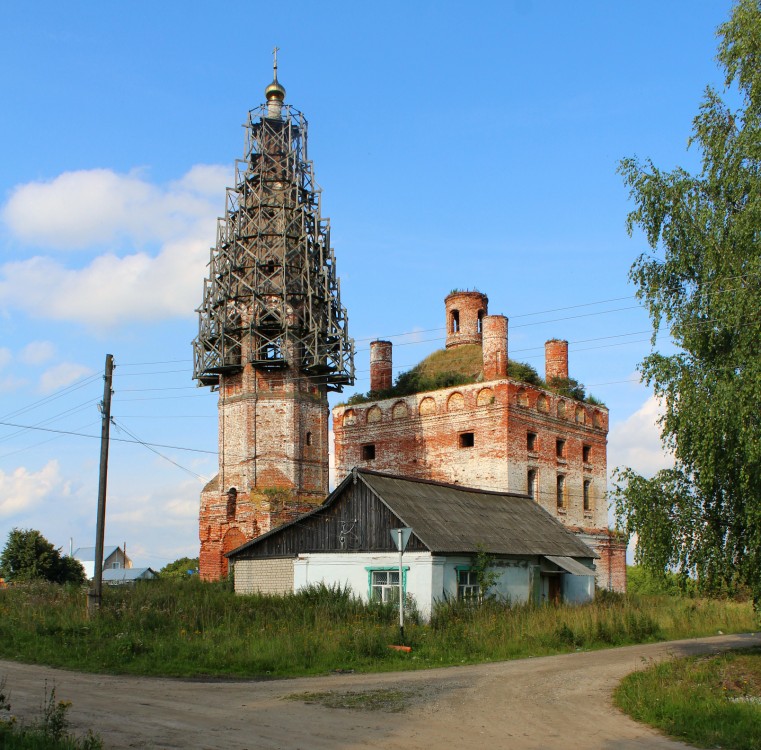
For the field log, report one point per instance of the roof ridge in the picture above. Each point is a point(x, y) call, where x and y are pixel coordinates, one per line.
point(448, 485)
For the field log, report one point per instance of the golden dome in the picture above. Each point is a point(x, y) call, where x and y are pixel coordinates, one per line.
point(275, 91)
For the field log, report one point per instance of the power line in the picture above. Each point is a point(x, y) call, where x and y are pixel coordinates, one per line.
point(158, 453)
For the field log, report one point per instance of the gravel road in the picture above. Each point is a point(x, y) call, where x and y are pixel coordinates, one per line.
point(561, 702)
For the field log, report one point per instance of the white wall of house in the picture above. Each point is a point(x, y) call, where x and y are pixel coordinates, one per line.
point(578, 589)
point(428, 578)
point(354, 569)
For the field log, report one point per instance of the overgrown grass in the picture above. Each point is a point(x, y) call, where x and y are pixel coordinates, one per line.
point(189, 627)
point(708, 701)
point(50, 732)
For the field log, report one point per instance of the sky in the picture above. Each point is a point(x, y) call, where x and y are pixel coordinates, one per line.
point(457, 146)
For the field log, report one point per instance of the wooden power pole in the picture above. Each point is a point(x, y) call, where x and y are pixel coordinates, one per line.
point(94, 595)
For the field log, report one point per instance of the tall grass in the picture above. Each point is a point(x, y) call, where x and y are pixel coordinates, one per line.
point(712, 701)
point(186, 628)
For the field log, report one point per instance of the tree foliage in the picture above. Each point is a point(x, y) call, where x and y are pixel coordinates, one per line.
point(28, 556)
point(702, 282)
point(179, 568)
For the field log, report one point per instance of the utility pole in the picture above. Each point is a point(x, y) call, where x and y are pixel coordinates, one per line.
point(94, 595)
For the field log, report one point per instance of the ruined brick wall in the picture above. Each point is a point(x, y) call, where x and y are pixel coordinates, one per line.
point(270, 576)
point(478, 436)
point(273, 447)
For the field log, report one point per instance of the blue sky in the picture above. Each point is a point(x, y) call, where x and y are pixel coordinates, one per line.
point(457, 147)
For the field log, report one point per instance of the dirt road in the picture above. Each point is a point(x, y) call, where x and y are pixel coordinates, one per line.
point(545, 703)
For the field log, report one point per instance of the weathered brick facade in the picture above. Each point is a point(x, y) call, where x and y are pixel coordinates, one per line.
point(273, 449)
point(499, 434)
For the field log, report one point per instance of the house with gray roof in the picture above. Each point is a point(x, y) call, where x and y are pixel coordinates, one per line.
point(114, 558)
point(348, 541)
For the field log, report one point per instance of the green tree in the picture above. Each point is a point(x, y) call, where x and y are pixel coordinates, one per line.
point(28, 556)
point(702, 283)
point(179, 568)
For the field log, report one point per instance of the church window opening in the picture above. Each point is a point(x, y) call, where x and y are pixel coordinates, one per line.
point(561, 492)
point(531, 484)
point(232, 502)
point(586, 454)
point(467, 440)
point(560, 448)
point(455, 323)
point(309, 438)
point(368, 452)
point(531, 442)
point(480, 321)
point(587, 495)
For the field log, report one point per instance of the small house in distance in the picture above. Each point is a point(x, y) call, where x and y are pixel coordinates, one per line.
point(348, 541)
point(114, 558)
point(127, 576)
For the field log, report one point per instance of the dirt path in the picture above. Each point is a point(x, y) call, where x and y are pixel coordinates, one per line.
point(552, 702)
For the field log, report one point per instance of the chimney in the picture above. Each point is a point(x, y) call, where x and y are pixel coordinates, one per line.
point(380, 365)
point(495, 347)
point(555, 360)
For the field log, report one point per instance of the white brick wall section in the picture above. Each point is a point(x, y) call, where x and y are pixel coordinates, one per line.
point(273, 576)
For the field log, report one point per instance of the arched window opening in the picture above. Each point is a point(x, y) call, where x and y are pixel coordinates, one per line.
point(455, 322)
point(480, 320)
point(309, 438)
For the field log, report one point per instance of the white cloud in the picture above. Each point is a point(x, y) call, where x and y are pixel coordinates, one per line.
point(37, 352)
point(22, 490)
point(99, 207)
point(635, 442)
point(62, 375)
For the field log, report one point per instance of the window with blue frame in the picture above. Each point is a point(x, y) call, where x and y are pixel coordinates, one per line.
point(384, 583)
point(467, 584)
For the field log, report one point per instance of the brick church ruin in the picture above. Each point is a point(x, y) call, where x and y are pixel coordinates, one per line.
point(494, 430)
point(273, 341)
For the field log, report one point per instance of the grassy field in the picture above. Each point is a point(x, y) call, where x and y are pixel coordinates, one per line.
point(708, 701)
point(191, 628)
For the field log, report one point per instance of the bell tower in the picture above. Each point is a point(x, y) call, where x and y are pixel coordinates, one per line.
point(272, 338)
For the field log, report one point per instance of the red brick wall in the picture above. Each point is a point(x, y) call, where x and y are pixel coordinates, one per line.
point(273, 448)
point(423, 436)
point(467, 308)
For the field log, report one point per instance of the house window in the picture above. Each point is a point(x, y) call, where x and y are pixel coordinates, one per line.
point(467, 584)
point(531, 483)
point(587, 496)
point(467, 440)
point(560, 448)
point(368, 452)
point(586, 454)
point(384, 585)
point(116, 565)
point(561, 491)
point(531, 441)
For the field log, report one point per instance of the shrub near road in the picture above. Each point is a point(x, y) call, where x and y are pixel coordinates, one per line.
point(189, 627)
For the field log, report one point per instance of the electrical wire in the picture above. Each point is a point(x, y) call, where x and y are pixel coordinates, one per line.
point(123, 428)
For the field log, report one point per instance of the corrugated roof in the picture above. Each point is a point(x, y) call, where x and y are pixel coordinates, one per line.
point(128, 574)
point(454, 519)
